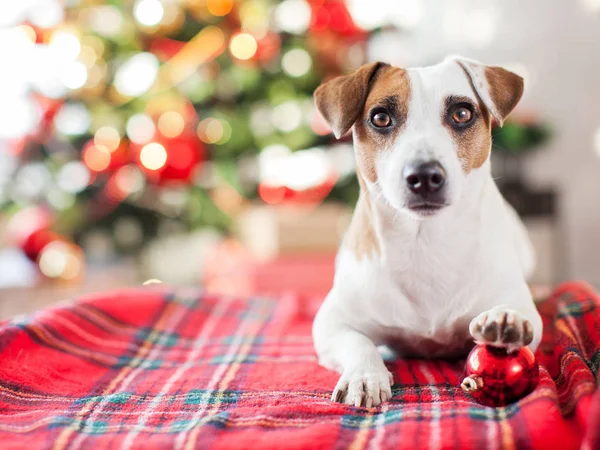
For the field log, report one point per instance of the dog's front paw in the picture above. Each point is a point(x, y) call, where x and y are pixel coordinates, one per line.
point(363, 387)
point(502, 327)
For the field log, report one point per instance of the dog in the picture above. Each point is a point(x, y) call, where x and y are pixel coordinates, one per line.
point(434, 259)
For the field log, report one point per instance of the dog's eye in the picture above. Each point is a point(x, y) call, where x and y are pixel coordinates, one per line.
point(462, 115)
point(381, 119)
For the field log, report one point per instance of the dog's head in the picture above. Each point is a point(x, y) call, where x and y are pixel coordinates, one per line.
point(420, 134)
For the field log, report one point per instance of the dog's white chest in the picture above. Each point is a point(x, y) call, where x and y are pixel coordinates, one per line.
point(421, 313)
point(421, 298)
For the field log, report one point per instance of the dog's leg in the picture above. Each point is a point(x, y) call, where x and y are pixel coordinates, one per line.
point(365, 380)
point(510, 325)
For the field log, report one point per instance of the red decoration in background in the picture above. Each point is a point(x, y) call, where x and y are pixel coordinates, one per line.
point(37, 241)
point(268, 48)
point(165, 48)
point(497, 378)
point(98, 158)
point(25, 223)
point(275, 195)
point(333, 16)
point(184, 153)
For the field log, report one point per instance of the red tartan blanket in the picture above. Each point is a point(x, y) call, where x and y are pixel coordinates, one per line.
point(155, 369)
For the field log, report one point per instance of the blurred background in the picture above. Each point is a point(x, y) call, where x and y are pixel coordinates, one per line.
point(176, 141)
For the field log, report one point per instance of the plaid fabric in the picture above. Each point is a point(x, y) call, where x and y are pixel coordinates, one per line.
point(154, 369)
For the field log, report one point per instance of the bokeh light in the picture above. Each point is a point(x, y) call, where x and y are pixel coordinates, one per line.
point(148, 12)
point(128, 232)
point(129, 179)
point(136, 75)
point(287, 116)
point(153, 156)
point(59, 200)
point(73, 119)
point(171, 124)
point(46, 14)
point(214, 131)
point(296, 62)
point(219, 7)
point(293, 16)
point(88, 56)
point(140, 128)
point(254, 18)
point(31, 180)
point(243, 46)
point(61, 260)
point(19, 119)
point(96, 157)
point(106, 20)
point(73, 177)
point(108, 137)
point(65, 45)
point(74, 75)
point(28, 32)
point(260, 121)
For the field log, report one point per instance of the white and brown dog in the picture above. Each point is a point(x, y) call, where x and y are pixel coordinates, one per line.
point(434, 257)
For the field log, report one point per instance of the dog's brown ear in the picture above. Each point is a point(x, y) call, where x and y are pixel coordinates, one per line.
point(341, 100)
point(499, 89)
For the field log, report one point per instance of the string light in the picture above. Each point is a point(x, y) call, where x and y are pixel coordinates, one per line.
point(153, 156)
point(243, 46)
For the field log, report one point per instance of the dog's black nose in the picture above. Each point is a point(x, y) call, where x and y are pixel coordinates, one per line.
point(424, 177)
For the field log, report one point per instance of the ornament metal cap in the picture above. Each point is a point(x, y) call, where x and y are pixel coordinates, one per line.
point(472, 383)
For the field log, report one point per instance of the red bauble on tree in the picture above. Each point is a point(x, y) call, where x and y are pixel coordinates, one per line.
point(495, 377)
point(37, 241)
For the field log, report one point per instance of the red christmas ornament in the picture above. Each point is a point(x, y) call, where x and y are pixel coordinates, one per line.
point(495, 377)
point(37, 241)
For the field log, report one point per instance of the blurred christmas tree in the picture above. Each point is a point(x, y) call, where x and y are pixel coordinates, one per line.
point(172, 114)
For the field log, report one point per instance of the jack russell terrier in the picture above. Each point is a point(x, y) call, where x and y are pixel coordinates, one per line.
point(434, 257)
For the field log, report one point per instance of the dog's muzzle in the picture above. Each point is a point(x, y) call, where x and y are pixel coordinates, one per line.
point(425, 181)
